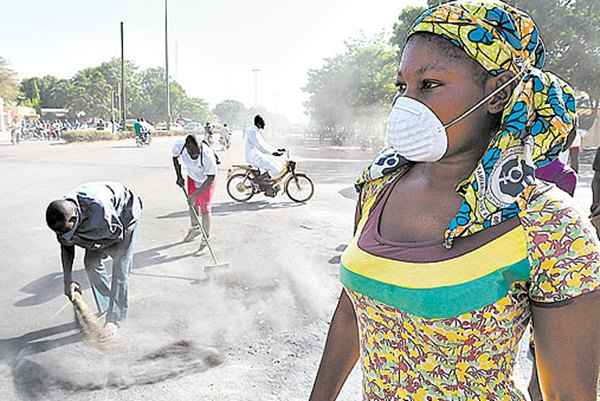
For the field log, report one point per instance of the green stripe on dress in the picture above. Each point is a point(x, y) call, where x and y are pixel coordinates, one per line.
point(442, 302)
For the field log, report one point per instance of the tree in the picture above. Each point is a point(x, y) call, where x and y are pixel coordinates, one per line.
point(194, 108)
point(405, 21)
point(153, 94)
point(30, 93)
point(47, 92)
point(59, 95)
point(8, 81)
point(403, 25)
point(571, 32)
point(352, 91)
point(231, 112)
point(90, 90)
point(91, 93)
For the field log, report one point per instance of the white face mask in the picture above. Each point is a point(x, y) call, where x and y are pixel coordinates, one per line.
point(417, 133)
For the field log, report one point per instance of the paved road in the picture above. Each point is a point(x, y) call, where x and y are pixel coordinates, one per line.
point(279, 281)
point(265, 317)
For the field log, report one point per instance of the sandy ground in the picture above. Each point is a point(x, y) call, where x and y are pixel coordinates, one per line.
point(252, 331)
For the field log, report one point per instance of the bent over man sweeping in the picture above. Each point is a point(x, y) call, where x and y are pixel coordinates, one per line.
point(101, 218)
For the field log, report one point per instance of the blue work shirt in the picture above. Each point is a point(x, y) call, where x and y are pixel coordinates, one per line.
point(105, 211)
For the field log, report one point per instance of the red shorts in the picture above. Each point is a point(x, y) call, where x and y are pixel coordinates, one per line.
point(204, 200)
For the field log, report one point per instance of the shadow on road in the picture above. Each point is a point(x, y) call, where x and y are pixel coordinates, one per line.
point(153, 256)
point(192, 280)
point(38, 341)
point(48, 287)
point(337, 259)
point(227, 208)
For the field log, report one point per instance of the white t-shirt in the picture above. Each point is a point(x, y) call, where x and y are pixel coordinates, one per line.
point(199, 169)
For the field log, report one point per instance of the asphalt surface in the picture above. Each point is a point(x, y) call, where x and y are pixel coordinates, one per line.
point(280, 280)
point(257, 327)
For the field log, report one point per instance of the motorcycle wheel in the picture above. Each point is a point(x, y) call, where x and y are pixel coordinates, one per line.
point(240, 188)
point(299, 188)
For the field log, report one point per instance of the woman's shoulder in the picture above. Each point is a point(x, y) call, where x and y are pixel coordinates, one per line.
point(546, 204)
point(562, 246)
point(387, 166)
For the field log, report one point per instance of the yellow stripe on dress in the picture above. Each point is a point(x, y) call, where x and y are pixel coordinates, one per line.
point(506, 250)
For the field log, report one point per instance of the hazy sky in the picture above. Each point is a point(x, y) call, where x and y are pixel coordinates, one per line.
point(214, 45)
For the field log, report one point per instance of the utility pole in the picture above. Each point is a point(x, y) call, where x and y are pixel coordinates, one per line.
point(256, 71)
point(112, 109)
point(167, 66)
point(176, 75)
point(123, 102)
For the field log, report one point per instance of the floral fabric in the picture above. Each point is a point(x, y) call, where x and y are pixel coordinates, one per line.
point(472, 356)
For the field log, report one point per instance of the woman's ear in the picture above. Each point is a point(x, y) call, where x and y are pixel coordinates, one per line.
point(500, 100)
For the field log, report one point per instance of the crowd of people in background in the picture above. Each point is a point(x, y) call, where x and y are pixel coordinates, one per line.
point(38, 129)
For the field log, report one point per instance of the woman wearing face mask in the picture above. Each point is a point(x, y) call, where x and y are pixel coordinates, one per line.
point(457, 247)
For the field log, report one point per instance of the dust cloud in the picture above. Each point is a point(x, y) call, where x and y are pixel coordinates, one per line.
point(265, 306)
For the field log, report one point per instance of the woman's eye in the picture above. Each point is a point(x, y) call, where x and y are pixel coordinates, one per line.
point(430, 85)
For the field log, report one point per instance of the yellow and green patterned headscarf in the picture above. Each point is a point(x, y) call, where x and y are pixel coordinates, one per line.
point(535, 123)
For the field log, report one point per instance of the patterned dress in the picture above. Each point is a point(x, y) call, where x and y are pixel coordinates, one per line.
point(438, 324)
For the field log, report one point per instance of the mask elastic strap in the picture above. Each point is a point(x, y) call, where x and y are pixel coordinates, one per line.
point(485, 100)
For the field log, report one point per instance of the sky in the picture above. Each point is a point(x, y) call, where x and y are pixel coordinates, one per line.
point(214, 45)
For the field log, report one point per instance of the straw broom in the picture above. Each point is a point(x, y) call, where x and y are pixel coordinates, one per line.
point(85, 317)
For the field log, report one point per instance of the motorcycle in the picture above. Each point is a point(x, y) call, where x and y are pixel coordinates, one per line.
point(224, 142)
point(143, 139)
point(245, 181)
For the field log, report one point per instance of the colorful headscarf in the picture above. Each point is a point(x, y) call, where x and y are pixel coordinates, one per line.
point(535, 123)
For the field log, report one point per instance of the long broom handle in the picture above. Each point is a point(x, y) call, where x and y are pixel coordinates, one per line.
point(202, 231)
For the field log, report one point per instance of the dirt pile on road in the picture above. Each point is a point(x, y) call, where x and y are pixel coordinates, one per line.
point(79, 367)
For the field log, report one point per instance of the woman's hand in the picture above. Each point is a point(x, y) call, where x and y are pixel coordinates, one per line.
point(340, 354)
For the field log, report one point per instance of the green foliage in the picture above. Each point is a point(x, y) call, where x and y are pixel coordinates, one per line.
point(88, 136)
point(47, 92)
point(98, 136)
point(571, 32)
point(194, 108)
point(90, 90)
point(232, 112)
point(353, 90)
point(152, 99)
point(405, 21)
point(8, 81)
point(403, 25)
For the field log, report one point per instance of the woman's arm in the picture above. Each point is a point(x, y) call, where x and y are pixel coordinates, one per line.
point(340, 354)
point(567, 348)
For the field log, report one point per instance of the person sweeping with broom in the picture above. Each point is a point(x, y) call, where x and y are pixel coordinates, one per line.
point(200, 163)
point(103, 219)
